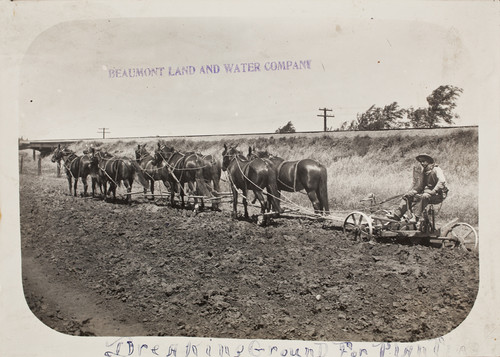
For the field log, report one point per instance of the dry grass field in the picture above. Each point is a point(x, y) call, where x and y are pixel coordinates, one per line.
point(358, 163)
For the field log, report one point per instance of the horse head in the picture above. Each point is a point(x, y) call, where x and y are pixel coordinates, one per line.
point(56, 154)
point(162, 152)
point(138, 153)
point(96, 155)
point(228, 155)
point(61, 154)
point(254, 154)
point(141, 152)
point(93, 158)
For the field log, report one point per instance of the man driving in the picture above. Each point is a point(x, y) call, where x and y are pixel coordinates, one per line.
point(431, 189)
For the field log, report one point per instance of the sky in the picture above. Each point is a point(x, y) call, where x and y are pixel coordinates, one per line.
point(72, 83)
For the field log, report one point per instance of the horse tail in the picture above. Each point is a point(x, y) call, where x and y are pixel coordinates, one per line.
point(137, 170)
point(203, 169)
point(85, 162)
point(216, 174)
point(323, 191)
point(273, 190)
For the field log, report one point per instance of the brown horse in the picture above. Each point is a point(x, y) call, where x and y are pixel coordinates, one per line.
point(115, 170)
point(75, 166)
point(294, 176)
point(180, 169)
point(150, 171)
point(212, 170)
point(211, 174)
point(255, 175)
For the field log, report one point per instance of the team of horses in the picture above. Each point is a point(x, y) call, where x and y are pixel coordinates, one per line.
point(199, 176)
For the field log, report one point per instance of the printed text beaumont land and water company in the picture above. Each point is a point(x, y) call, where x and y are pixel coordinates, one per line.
point(225, 68)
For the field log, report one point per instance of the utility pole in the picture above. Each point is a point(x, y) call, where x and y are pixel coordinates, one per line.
point(324, 115)
point(104, 131)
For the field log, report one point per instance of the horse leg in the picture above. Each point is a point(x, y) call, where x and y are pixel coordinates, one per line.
point(75, 185)
point(152, 189)
point(196, 190)
point(93, 180)
point(215, 203)
point(173, 187)
point(192, 191)
point(85, 186)
point(235, 203)
point(112, 190)
point(128, 186)
point(315, 201)
point(259, 196)
point(323, 203)
point(105, 188)
point(181, 193)
point(245, 203)
point(69, 183)
point(322, 192)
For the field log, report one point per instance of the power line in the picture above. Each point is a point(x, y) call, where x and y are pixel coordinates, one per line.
point(104, 131)
point(324, 115)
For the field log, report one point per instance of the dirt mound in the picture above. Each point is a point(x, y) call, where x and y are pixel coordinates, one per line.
point(149, 269)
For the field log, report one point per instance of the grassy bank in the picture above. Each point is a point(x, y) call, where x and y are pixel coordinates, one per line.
point(357, 165)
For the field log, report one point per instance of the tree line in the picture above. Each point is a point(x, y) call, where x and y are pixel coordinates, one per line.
point(440, 111)
point(441, 103)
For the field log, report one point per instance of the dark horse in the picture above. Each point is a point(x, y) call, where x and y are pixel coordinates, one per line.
point(150, 171)
point(75, 167)
point(179, 169)
point(211, 174)
point(115, 170)
point(255, 175)
point(211, 170)
point(294, 176)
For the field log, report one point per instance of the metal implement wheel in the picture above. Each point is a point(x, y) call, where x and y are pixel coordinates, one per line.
point(463, 235)
point(358, 224)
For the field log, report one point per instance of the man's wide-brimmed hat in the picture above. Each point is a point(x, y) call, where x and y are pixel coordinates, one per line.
point(426, 157)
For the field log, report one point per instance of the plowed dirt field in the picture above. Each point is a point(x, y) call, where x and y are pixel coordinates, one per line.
point(92, 267)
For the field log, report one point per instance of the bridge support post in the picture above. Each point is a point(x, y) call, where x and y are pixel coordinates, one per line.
point(39, 165)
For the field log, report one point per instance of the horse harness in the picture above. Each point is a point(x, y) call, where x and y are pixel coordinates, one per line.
point(106, 166)
point(67, 165)
point(246, 167)
point(141, 157)
point(243, 171)
point(173, 167)
point(294, 188)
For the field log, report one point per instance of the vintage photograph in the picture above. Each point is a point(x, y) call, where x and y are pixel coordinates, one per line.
point(160, 133)
point(252, 178)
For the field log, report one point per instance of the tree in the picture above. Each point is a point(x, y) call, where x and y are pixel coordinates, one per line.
point(288, 128)
point(441, 105)
point(441, 101)
point(376, 118)
point(440, 109)
point(419, 118)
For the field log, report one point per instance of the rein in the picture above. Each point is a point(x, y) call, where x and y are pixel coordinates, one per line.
point(171, 168)
point(245, 177)
point(141, 162)
point(67, 163)
point(234, 157)
point(105, 167)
